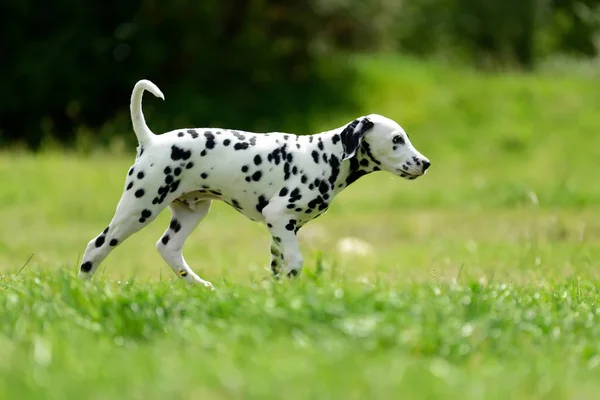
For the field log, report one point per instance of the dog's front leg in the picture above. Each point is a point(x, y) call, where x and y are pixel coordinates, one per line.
point(286, 258)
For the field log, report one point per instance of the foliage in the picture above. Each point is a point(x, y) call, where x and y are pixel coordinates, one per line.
point(245, 64)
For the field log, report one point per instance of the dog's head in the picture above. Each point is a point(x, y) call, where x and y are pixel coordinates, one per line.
point(386, 144)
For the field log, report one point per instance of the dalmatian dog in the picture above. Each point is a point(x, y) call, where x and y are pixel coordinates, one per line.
point(282, 180)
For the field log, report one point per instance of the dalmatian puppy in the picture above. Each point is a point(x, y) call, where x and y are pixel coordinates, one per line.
point(279, 179)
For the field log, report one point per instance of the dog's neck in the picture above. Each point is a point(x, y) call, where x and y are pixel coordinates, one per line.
point(348, 171)
point(361, 164)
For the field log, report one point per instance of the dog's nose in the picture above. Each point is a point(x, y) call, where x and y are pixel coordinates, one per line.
point(426, 164)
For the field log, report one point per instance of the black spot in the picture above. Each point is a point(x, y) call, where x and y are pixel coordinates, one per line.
point(325, 158)
point(320, 145)
point(286, 171)
point(262, 203)
point(167, 170)
point(189, 165)
point(245, 168)
point(204, 175)
point(86, 266)
point(283, 191)
point(235, 203)
point(146, 213)
point(210, 140)
point(174, 186)
point(130, 171)
point(130, 185)
point(269, 225)
point(139, 193)
point(114, 242)
point(323, 187)
point(180, 134)
point(241, 146)
point(257, 159)
point(304, 179)
point(256, 176)
point(168, 178)
point(106, 230)
point(335, 170)
point(238, 135)
point(178, 153)
point(291, 225)
point(140, 175)
point(298, 145)
point(226, 142)
point(277, 239)
point(295, 195)
point(315, 156)
point(294, 170)
point(165, 239)
point(155, 200)
point(298, 209)
point(285, 137)
point(292, 273)
point(248, 179)
point(202, 153)
point(100, 240)
point(290, 206)
point(175, 225)
point(314, 202)
point(177, 171)
point(335, 138)
point(290, 157)
point(193, 133)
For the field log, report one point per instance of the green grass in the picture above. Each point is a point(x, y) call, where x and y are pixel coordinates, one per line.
point(480, 279)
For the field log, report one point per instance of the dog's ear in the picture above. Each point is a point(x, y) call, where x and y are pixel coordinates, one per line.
point(353, 134)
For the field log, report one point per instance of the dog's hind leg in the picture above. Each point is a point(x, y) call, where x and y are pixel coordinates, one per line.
point(170, 246)
point(133, 212)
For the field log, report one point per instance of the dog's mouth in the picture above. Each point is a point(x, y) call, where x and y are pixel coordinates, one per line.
point(407, 174)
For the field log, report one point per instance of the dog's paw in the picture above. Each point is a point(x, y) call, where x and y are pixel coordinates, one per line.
point(206, 284)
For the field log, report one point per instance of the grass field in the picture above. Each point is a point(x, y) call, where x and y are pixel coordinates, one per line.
point(478, 281)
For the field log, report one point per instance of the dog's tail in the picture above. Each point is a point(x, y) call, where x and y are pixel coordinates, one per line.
point(143, 133)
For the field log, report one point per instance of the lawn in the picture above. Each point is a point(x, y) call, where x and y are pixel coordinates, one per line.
point(479, 280)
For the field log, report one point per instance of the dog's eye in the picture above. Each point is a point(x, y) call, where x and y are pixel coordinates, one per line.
point(398, 139)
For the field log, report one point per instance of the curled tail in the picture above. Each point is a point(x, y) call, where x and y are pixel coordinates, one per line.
point(143, 133)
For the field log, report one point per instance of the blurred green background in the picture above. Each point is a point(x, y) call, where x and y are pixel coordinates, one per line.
point(479, 280)
point(68, 67)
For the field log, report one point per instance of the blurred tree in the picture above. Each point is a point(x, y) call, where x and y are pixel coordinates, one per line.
point(242, 63)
